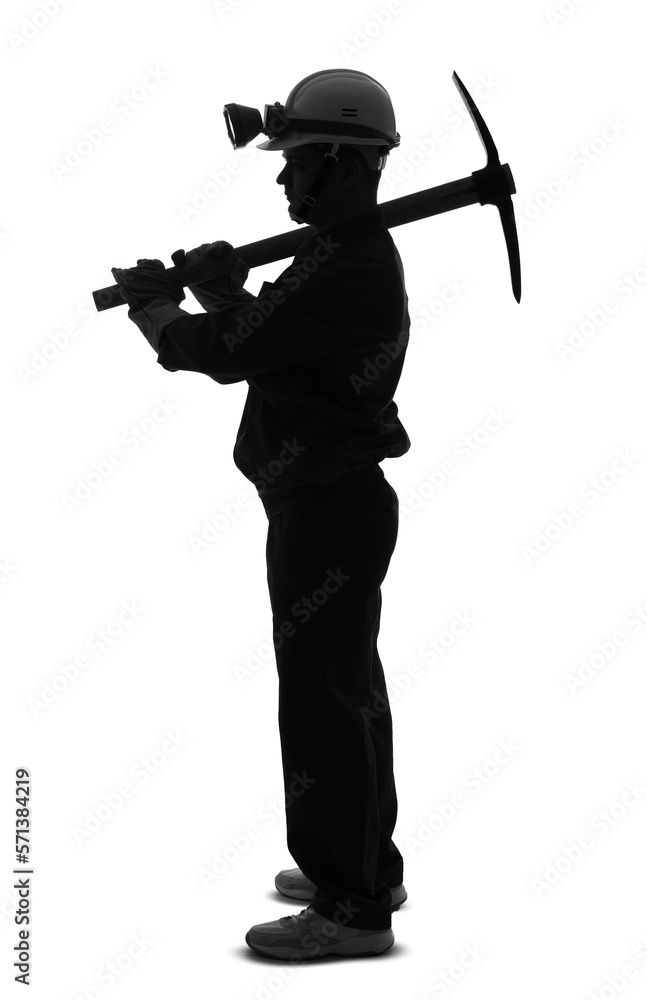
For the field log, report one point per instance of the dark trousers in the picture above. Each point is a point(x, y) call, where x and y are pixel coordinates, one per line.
point(325, 563)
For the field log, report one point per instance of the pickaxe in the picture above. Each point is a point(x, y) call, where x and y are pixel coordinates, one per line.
point(493, 185)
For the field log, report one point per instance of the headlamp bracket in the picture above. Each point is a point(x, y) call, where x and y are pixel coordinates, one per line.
point(275, 120)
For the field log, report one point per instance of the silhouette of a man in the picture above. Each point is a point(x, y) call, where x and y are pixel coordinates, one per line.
point(321, 349)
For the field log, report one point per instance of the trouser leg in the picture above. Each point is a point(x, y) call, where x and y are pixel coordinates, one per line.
point(326, 562)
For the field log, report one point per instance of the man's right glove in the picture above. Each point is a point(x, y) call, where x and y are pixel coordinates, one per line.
point(214, 291)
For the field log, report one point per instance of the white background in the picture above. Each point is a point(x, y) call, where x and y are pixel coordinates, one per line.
point(74, 382)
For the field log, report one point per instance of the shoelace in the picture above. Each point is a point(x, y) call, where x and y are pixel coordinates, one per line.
point(298, 916)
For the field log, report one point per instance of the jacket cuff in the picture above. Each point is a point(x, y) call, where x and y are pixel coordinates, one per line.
point(153, 317)
point(214, 298)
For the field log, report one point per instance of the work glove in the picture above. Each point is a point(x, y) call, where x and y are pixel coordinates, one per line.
point(204, 258)
point(153, 298)
point(148, 281)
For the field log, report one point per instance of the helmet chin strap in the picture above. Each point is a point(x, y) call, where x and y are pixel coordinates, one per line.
point(309, 199)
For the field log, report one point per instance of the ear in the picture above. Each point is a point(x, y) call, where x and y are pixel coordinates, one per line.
point(351, 172)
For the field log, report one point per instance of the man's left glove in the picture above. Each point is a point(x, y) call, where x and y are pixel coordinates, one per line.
point(153, 298)
point(148, 281)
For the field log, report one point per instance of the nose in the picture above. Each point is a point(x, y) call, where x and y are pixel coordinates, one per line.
point(280, 179)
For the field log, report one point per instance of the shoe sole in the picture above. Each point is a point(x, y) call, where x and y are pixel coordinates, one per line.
point(354, 947)
point(293, 883)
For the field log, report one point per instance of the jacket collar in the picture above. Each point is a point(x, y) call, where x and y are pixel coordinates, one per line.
point(349, 229)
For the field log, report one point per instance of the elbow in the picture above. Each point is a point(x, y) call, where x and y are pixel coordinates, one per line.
point(226, 379)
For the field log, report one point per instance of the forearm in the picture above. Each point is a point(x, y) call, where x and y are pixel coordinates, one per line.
point(213, 296)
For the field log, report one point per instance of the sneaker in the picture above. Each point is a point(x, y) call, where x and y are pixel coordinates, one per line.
point(308, 935)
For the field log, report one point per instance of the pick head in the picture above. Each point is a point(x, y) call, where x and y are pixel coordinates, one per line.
point(496, 185)
point(477, 118)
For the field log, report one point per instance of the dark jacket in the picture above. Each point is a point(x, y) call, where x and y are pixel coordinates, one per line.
point(321, 349)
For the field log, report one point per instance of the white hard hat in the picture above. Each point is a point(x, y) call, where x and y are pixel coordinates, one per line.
point(337, 105)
